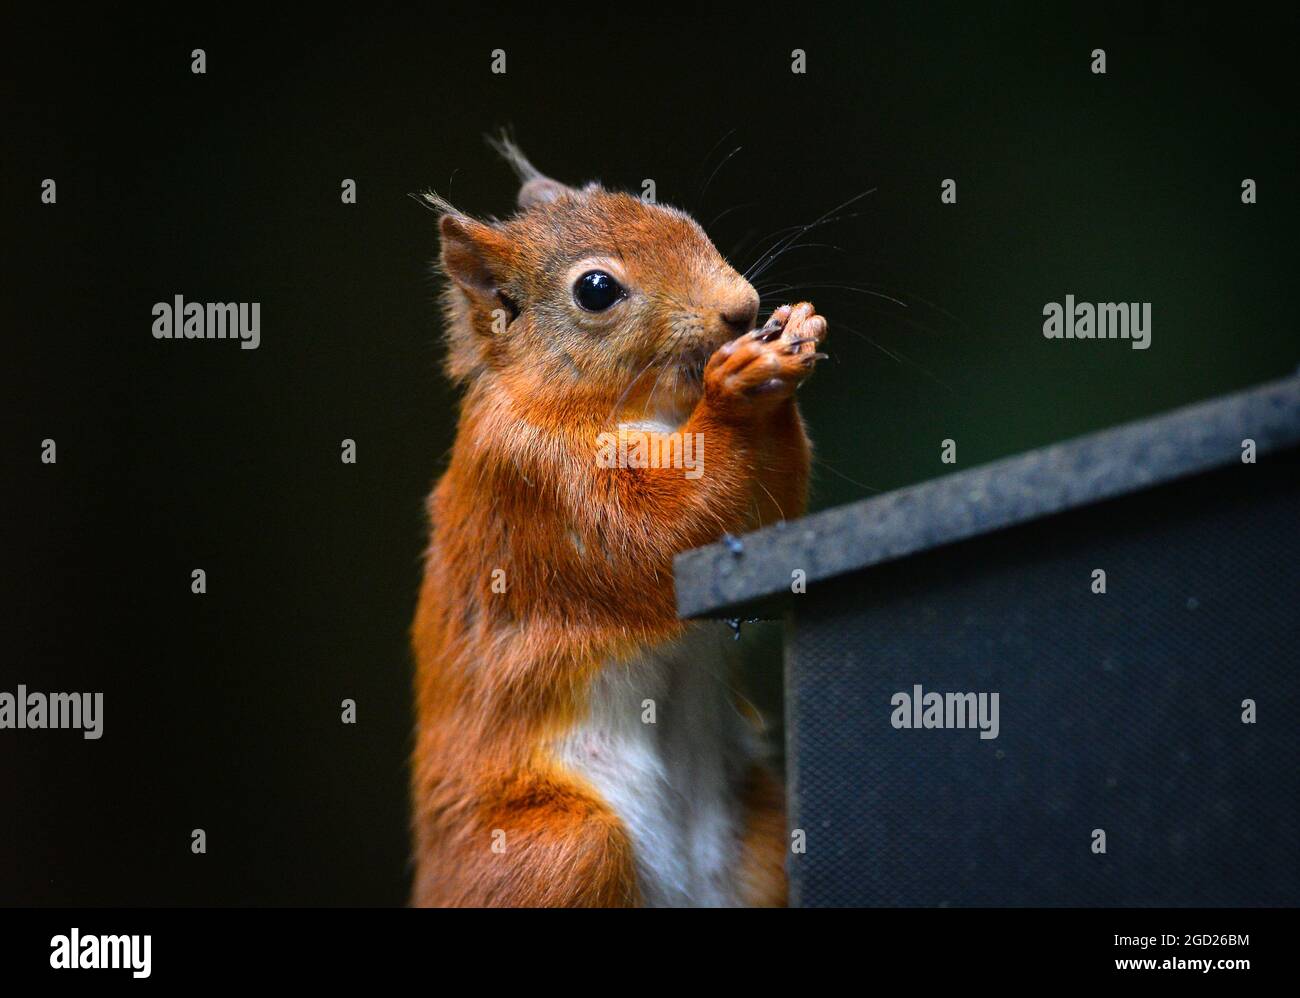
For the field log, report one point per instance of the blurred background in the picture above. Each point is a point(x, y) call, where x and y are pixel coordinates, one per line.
point(222, 711)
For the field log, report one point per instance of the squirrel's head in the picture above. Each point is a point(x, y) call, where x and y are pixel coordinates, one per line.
point(588, 293)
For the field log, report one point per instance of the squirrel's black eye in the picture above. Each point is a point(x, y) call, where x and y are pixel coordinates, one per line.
point(596, 291)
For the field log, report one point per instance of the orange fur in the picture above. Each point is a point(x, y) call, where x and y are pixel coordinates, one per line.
point(586, 551)
point(763, 841)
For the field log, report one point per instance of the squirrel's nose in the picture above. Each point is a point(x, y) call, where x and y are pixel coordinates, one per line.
point(739, 316)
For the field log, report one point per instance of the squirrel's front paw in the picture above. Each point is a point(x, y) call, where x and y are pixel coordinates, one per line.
point(767, 365)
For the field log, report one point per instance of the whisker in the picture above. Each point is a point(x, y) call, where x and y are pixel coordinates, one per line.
point(724, 162)
point(723, 214)
point(779, 251)
point(668, 351)
point(900, 358)
point(850, 287)
point(875, 290)
point(821, 462)
point(822, 219)
point(776, 235)
point(712, 149)
point(790, 249)
point(632, 384)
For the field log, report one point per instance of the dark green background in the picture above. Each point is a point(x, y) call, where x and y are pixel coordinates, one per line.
point(222, 711)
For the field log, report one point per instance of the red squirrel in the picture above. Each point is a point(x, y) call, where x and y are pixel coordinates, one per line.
point(577, 743)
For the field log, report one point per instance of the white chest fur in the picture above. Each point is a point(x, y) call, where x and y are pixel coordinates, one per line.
point(666, 747)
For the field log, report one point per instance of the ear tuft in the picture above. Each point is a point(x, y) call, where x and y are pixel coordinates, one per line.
point(535, 187)
point(435, 202)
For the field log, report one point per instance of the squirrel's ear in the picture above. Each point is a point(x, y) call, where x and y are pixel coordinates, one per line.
point(540, 190)
point(534, 186)
point(473, 255)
